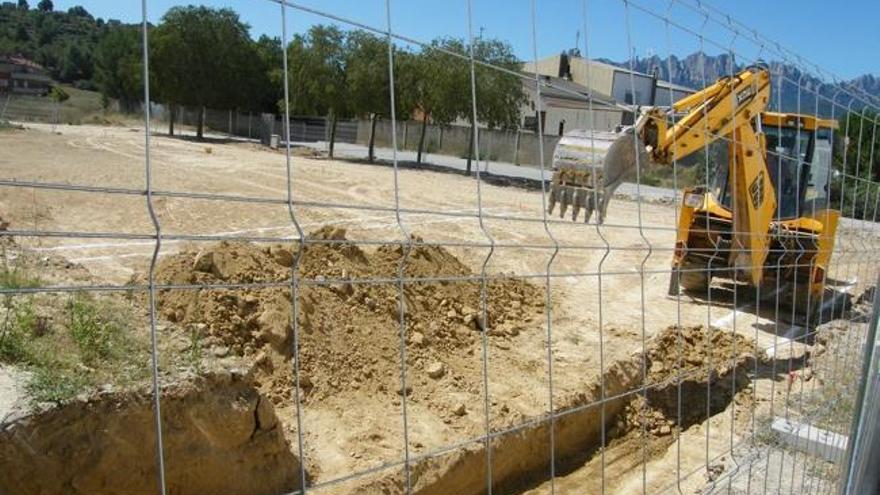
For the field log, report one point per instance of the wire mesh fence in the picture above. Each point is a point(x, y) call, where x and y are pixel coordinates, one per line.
point(361, 284)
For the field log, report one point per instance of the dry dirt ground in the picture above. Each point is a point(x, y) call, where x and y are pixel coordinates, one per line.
point(349, 365)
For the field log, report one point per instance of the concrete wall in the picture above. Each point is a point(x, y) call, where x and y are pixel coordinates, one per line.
point(248, 125)
point(601, 120)
point(495, 145)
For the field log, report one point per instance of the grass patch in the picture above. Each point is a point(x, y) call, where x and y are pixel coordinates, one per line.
point(71, 347)
point(79, 105)
point(17, 278)
point(8, 126)
point(97, 338)
point(14, 337)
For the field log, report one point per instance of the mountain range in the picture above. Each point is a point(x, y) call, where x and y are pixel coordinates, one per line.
point(698, 69)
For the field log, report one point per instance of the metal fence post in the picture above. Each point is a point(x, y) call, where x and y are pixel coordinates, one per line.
point(864, 442)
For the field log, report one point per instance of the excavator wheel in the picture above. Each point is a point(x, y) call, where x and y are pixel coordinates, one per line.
point(799, 302)
point(690, 278)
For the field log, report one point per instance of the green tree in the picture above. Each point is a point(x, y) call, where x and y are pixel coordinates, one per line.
point(79, 11)
point(58, 95)
point(76, 65)
point(46, 5)
point(271, 55)
point(48, 28)
point(204, 57)
point(366, 71)
point(316, 63)
point(500, 94)
point(439, 83)
point(23, 5)
point(118, 66)
point(21, 34)
point(858, 186)
point(435, 83)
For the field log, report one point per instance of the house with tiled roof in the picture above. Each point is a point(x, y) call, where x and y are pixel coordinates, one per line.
point(19, 75)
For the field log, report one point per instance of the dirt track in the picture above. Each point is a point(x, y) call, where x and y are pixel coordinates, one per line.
point(630, 310)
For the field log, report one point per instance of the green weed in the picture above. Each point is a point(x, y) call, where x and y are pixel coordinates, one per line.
point(97, 337)
point(18, 324)
point(55, 384)
point(17, 278)
point(90, 344)
point(196, 352)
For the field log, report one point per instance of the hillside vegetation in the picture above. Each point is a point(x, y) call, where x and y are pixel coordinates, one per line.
point(63, 42)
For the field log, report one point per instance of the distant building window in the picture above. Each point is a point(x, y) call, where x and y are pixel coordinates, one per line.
point(530, 122)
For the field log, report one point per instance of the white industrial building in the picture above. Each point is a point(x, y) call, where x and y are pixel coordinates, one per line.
point(572, 85)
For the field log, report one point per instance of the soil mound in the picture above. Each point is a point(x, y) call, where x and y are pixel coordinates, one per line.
point(697, 353)
point(693, 373)
point(348, 312)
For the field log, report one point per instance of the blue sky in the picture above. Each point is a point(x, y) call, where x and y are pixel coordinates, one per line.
point(844, 41)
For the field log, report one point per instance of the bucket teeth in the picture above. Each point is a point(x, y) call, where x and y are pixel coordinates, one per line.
point(588, 207)
point(575, 209)
point(577, 203)
point(554, 196)
point(564, 201)
point(575, 189)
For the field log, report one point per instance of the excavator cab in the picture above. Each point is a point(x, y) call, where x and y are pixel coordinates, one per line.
point(798, 161)
point(801, 235)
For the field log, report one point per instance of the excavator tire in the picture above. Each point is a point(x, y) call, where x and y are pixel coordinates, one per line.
point(689, 278)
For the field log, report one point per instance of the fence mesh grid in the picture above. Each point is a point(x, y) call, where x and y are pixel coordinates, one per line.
point(385, 301)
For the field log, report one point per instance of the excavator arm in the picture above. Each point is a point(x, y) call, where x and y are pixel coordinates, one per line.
point(710, 114)
point(731, 108)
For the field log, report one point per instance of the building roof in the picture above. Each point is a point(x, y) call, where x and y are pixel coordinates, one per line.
point(677, 87)
point(21, 61)
point(564, 89)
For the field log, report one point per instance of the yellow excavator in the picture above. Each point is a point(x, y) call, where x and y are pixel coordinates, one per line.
point(763, 217)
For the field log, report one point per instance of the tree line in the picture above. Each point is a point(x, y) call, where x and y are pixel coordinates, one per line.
point(203, 57)
point(857, 155)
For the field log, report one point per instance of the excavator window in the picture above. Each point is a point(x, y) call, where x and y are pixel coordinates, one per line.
point(788, 162)
point(817, 195)
point(717, 156)
point(798, 165)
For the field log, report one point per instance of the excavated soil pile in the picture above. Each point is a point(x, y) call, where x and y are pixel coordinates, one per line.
point(220, 436)
point(348, 311)
point(711, 365)
point(641, 428)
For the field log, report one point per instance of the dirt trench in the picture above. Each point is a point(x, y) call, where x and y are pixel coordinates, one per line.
point(220, 436)
point(222, 433)
point(680, 364)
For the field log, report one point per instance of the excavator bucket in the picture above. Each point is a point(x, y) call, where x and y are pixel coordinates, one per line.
point(582, 184)
point(625, 154)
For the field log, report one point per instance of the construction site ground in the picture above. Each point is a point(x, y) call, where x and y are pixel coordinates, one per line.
point(607, 305)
